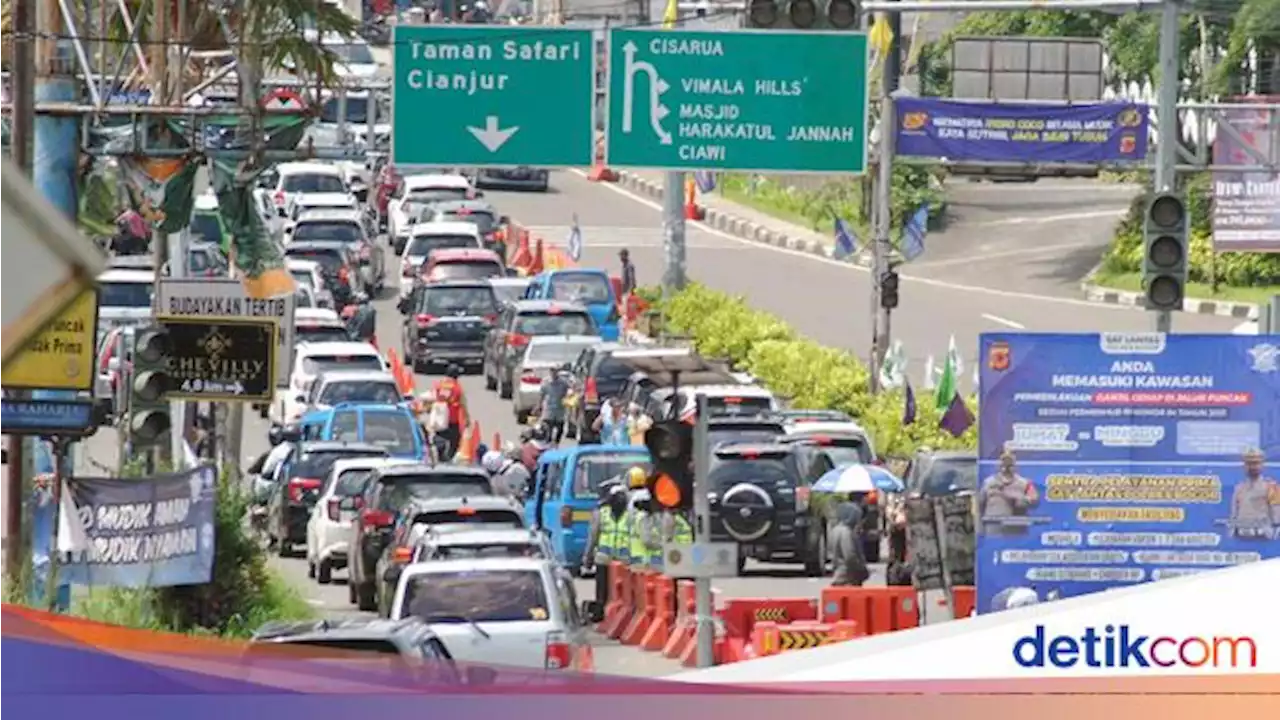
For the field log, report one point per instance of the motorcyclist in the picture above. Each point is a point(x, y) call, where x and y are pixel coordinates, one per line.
point(507, 475)
point(362, 324)
point(534, 444)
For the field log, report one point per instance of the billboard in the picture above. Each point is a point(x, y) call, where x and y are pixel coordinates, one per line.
point(1027, 68)
point(1246, 205)
point(1021, 133)
point(1118, 458)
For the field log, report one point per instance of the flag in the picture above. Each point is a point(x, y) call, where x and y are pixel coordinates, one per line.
point(909, 406)
point(913, 234)
point(671, 16)
point(575, 241)
point(947, 383)
point(705, 179)
point(893, 367)
point(930, 374)
point(846, 243)
point(957, 417)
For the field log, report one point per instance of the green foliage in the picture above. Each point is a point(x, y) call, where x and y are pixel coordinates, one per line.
point(98, 204)
point(805, 373)
point(1253, 29)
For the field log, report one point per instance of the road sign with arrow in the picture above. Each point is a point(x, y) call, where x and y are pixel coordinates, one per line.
point(221, 359)
point(493, 96)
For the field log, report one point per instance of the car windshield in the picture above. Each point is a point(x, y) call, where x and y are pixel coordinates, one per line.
point(341, 230)
point(485, 550)
point(304, 277)
point(355, 53)
point(729, 434)
point(351, 482)
point(466, 270)
point(330, 259)
point(586, 288)
point(124, 294)
point(320, 333)
point(481, 219)
point(477, 596)
point(560, 323)
point(316, 364)
point(457, 301)
point(851, 452)
point(471, 516)
point(313, 183)
point(406, 488)
point(302, 299)
point(357, 110)
point(948, 475)
point(207, 226)
point(319, 464)
point(595, 469)
point(361, 391)
point(728, 471)
point(559, 352)
point(427, 196)
point(422, 245)
point(395, 432)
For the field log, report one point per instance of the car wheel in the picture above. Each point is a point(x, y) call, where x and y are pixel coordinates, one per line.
point(324, 573)
point(505, 391)
point(816, 565)
point(365, 598)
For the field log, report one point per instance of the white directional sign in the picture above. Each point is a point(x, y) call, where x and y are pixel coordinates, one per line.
point(226, 298)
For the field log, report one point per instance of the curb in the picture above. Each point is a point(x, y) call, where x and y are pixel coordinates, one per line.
point(1128, 298)
point(740, 228)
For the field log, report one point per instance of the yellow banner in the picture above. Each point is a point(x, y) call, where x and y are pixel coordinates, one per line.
point(61, 357)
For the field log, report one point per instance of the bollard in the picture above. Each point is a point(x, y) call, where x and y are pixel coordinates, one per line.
point(626, 604)
point(664, 614)
point(639, 624)
point(876, 610)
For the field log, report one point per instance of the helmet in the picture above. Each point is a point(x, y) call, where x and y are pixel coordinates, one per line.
point(637, 477)
point(454, 372)
point(492, 462)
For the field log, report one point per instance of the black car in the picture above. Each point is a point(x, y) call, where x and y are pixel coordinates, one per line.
point(387, 492)
point(341, 269)
point(447, 322)
point(760, 500)
point(408, 645)
point(723, 430)
point(297, 487)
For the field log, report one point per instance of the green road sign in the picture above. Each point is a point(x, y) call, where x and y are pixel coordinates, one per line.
point(482, 95)
point(741, 100)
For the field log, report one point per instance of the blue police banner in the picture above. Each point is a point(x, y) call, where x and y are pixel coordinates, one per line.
point(1112, 459)
point(1021, 133)
point(143, 532)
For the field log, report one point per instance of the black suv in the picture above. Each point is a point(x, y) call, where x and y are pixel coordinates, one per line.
point(760, 500)
point(297, 486)
point(412, 649)
point(388, 490)
point(447, 322)
point(755, 429)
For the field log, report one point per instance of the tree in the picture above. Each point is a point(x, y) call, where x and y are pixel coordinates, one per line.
point(1255, 28)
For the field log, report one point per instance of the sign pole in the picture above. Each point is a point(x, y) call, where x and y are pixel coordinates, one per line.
point(674, 251)
point(706, 630)
point(1166, 176)
point(60, 446)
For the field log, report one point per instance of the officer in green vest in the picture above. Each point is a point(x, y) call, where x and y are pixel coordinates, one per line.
point(674, 529)
point(605, 541)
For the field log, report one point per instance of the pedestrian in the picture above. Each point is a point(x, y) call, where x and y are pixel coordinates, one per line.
point(448, 391)
point(611, 423)
point(554, 391)
point(846, 547)
point(604, 540)
point(628, 272)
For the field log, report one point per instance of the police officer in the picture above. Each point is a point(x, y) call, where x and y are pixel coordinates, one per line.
point(669, 528)
point(637, 516)
point(605, 541)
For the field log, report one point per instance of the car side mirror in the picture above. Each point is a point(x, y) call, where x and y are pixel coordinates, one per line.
point(481, 676)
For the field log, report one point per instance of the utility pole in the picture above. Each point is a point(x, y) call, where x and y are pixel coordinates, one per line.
point(890, 67)
point(160, 238)
point(1166, 176)
point(674, 271)
point(704, 610)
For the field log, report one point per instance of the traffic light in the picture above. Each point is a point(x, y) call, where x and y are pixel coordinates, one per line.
point(889, 290)
point(803, 14)
point(148, 409)
point(1164, 252)
point(670, 445)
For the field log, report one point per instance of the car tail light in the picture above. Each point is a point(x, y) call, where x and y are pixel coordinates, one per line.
point(279, 198)
point(821, 440)
point(376, 518)
point(334, 509)
point(424, 320)
point(559, 654)
point(566, 516)
point(802, 499)
point(298, 486)
point(402, 555)
point(517, 340)
point(589, 391)
point(531, 379)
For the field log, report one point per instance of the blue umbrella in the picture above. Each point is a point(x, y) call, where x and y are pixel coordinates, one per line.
point(858, 478)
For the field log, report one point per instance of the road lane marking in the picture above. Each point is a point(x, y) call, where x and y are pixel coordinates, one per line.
point(913, 279)
point(315, 603)
point(970, 260)
point(1004, 321)
point(1045, 219)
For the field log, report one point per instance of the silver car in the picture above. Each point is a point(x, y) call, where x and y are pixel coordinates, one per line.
point(544, 355)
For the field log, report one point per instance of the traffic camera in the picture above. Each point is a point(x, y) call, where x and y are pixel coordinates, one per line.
point(803, 14)
point(1164, 252)
point(149, 420)
point(889, 290)
point(670, 444)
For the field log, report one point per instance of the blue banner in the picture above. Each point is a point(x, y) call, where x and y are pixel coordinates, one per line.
point(1021, 133)
point(1112, 459)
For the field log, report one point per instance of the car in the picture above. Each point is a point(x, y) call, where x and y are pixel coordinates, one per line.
point(758, 428)
point(309, 274)
point(312, 359)
point(351, 226)
point(760, 500)
point(206, 221)
point(600, 373)
point(417, 518)
point(408, 647)
point(517, 324)
point(205, 259)
point(461, 264)
point(285, 180)
point(304, 298)
point(392, 427)
point(312, 324)
point(508, 289)
point(937, 473)
point(335, 387)
point(723, 400)
point(589, 288)
point(447, 322)
point(463, 541)
point(413, 192)
point(516, 177)
point(566, 491)
point(296, 485)
point(478, 212)
point(797, 417)
point(387, 492)
point(329, 526)
point(517, 612)
point(304, 202)
point(544, 355)
point(429, 237)
point(125, 298)
point(339, 266)
point(824, 446)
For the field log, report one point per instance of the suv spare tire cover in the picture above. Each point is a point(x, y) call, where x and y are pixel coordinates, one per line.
point(747, 512)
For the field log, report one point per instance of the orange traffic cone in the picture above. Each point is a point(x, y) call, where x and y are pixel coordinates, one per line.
point(538, 263)
point(599, 171)
point(522, 257)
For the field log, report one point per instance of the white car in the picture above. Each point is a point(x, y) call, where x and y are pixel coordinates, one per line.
point(434, 236)
point(318, 325)
point(461, 541)
point(312, 359)
point(125, 298)
point(308, 273)
point(329, 527)
point(413, 192)
point(286, 180)
point(305, 201)
point(363, 386)
point(513, 612)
